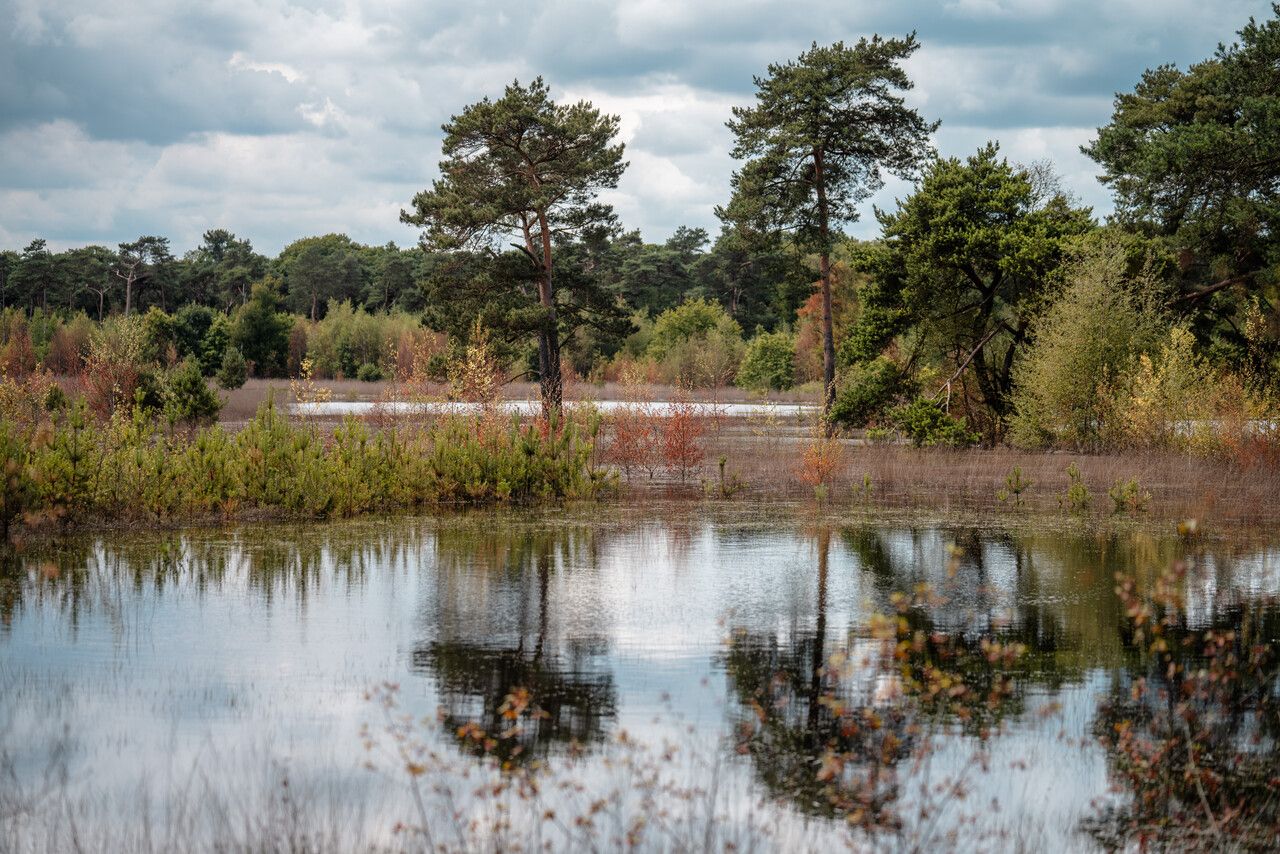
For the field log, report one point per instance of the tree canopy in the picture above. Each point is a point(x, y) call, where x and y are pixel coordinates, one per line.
point(821, 133)
point(527, 168)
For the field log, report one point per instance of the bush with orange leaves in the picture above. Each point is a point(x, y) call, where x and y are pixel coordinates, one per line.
point(682, 426)
point(820, 459)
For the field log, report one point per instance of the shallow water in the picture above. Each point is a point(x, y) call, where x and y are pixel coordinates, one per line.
point(177, 689)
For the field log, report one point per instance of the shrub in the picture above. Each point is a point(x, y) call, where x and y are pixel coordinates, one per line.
point(1077, 498)
point(769, 363)
point(926, 424)
point(17, 354)
point(369, 373)
point(69, 345)
point(867, 390)
point(187, 396)
point(696, 344)
point(233, 372)
point(1169, 398)
point(1089, 337)
point(213, 347)
point(159, 337)
point(681, 427)
point(114, 371)
point(1128, 496)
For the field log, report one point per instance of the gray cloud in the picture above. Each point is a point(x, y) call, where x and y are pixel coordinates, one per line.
point(279, 119)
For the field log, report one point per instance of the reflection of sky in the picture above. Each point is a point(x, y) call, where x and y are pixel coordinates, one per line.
point(259, 644)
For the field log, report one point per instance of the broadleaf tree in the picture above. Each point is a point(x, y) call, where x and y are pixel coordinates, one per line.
point(525, 170)
point(817, 142)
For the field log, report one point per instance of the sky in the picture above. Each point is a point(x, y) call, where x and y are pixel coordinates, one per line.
point(277, 120)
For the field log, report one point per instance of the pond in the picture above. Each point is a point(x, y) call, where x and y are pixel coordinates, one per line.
point(665, 675)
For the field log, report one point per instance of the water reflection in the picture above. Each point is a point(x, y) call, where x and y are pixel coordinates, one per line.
point(762, 632)
point(494, 631)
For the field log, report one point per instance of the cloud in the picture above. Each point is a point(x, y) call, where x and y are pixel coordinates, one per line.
point(278, 118)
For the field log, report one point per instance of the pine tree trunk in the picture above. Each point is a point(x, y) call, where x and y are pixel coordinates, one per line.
point(550, 381)
point(824, 269)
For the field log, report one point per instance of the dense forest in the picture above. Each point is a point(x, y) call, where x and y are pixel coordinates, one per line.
point(992, 305)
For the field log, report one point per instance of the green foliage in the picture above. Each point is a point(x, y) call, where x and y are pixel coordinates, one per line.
point(769, 363)
point(261, 331)
point(369, 373)
point(1192, 157)
point(692, 319)
point(1090, 337)
point(159, 336)
point(129, 468)
point(927, 425)
point(1014, 486)
point(523, 164)
point(1077, 498)
point(1128, 496)
point(187, 396)
point(867, 391)
point(966, 263)
point(16, 487)
point(817, 141)
point(349, 337)
point(233, 371)
point(696, 344)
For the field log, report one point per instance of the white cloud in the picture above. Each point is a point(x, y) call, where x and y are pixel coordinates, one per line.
point(278, 119)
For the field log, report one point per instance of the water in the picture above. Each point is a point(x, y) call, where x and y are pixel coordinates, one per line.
point(176, 690)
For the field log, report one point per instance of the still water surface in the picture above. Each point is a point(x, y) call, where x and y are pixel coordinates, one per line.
point(164, 690)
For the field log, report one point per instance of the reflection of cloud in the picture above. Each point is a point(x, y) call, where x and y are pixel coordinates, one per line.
point(355, 95)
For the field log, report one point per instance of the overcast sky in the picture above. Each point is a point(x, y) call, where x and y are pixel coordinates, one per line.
point(278, 120)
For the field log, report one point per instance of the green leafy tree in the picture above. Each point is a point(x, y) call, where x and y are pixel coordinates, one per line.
point(221, 271)
point(1194, 159)
point(319, 269)
point(1086, 341)
point(769, 363)
point(261, 330)
point(821, 133)
point(527, 168)
point(967, 262)
point(187, 396)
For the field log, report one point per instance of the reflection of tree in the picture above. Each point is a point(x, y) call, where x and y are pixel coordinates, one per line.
point(830, 729)
point(1192, 730)
point(811, 726)
point(489, 667)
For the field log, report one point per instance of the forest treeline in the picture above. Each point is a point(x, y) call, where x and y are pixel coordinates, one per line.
point(992, 304)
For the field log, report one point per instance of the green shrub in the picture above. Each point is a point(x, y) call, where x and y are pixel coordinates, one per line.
point(369, 373)
point(187, 396)
point(17, 489)
point(926, 424)
point(214, 344)
point(234, 371)
point(1091, 336)
point(769, 363)
point(1128, 496)
point(1077, 498)
point(865, 391)
point(128, 468)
